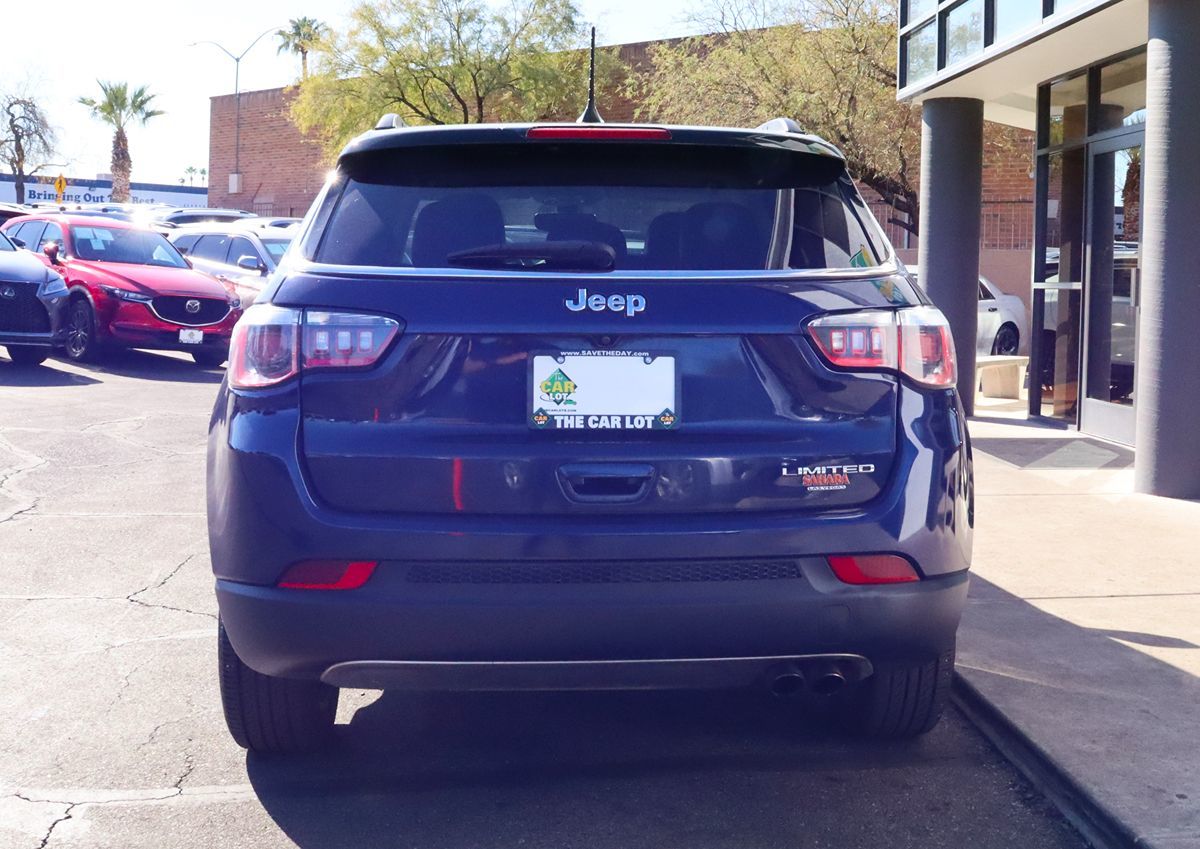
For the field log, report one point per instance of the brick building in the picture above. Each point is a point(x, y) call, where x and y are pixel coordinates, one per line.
point(283, 171)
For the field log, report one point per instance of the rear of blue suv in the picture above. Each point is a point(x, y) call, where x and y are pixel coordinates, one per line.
point(588, 407)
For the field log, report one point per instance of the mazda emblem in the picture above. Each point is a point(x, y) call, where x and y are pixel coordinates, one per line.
point(192, 306)
point(8, 293)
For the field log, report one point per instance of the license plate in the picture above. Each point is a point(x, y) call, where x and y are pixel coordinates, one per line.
point(603, 390)
point(191, 337)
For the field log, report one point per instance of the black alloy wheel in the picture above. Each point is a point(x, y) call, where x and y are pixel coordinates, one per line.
point(1008, 341)
point(81, 344)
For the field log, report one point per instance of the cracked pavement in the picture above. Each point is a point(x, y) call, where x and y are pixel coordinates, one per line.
point(113, 734)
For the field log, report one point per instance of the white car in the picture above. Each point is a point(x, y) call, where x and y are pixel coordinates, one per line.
point(1003, 328)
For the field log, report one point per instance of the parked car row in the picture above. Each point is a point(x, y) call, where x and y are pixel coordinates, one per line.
point(92, 279)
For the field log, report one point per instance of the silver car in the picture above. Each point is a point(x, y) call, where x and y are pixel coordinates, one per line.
point(239, 255)
point(1003, 327)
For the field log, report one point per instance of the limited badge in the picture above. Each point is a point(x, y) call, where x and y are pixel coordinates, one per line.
point(825, 478)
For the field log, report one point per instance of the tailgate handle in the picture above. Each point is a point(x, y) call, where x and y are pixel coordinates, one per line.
point(611, 483)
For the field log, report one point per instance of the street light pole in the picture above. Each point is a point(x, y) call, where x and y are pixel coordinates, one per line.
point(236, 176)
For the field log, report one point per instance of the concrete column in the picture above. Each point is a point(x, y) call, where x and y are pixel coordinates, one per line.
point(1168, 359)
point(951, 199)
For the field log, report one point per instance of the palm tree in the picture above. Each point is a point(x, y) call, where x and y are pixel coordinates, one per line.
point(301, 36)
point(118, 107)
point(203, 176)
point(190, 172)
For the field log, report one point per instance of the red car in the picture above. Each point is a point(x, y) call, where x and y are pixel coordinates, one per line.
point(129, 287)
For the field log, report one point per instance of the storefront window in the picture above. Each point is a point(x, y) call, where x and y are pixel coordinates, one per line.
point(964, 31)
point(1068, 111)
point(921, 53)
point(1122, 94)
point(1013, 16)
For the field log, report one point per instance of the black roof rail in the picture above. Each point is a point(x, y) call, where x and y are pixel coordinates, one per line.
point(781, 125)
point(390, 121)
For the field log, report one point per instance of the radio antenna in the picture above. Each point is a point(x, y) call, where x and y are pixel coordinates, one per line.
point(591, 115)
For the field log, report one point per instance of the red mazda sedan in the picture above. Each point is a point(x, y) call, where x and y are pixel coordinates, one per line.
point(130, 288)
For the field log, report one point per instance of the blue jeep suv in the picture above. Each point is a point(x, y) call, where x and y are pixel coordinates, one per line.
point(588, 407)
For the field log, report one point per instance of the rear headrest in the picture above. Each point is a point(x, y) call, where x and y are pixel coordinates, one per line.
point(663, 235)
point(455, 224)
point(723, 236)
point(582, 227)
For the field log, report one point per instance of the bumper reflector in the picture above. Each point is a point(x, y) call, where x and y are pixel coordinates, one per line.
point(328, 574)
point(873, 569)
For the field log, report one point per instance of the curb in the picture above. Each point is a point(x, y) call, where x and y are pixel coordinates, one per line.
point(1098, 826)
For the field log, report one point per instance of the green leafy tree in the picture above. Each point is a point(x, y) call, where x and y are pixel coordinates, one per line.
point(447, 62)
point(189, 174)
point(118, 106)
point(26, 139)
point(301, 36)
point(830, 64)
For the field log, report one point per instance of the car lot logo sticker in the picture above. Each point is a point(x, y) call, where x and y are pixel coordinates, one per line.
point(558, 389)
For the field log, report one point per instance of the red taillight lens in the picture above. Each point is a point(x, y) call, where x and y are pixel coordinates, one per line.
point(265, 347)
point(345, 340)
point(328, 574)
point(272, 344)
point(592, 131)
point(873, 569)
point(915, 341)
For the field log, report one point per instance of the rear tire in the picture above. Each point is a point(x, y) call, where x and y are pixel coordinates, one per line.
point(272, 715)
point(23, 355)
point(210, 359)
point(902, 700)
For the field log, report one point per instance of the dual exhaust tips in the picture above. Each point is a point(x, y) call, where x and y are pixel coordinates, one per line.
point(819, 677)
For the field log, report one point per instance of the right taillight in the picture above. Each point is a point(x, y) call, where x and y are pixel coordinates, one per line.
point(271, 344)
point(914, 341)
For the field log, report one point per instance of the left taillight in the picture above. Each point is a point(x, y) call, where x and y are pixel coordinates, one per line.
point(271, 344)
point(914, 341)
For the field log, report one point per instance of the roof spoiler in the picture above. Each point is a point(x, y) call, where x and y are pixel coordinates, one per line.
point(781, 125)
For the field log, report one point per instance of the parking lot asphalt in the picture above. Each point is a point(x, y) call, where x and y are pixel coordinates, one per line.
point(113, 737)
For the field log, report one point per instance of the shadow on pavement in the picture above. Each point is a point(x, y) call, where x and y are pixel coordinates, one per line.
point(146, 365)
point(42, 375)
point(729, 769)
point(1117, 720)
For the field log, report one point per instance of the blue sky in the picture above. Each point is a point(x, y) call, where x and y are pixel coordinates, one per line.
point(140, 41)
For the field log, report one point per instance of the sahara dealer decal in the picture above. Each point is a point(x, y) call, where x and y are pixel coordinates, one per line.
point(825, 478)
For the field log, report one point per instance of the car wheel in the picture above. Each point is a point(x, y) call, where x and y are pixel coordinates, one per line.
point(272, 715)
point(81, 344)
point(27, 356)
point(1008, 341)
point(902, 700)
point(210, 359)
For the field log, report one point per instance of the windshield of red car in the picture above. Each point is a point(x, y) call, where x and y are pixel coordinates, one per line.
point(134, 247)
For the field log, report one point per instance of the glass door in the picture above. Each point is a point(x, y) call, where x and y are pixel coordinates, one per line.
point(1114, 252)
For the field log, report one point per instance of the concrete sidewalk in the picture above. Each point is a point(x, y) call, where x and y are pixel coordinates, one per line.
point(1083, 628)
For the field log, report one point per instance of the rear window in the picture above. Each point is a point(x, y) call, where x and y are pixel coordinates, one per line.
point(655, 207)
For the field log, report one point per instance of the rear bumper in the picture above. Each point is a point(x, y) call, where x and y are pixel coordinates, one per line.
point(393, 633)
point(263, 517)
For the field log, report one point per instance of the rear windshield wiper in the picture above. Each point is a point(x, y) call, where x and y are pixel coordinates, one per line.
point(542, 256)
